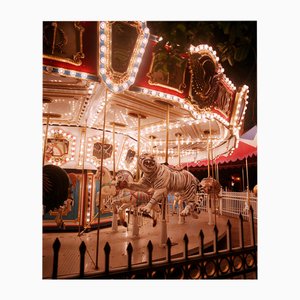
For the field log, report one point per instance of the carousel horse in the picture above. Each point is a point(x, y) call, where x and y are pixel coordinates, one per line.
point(210, 186)
point(165, 180)
point(118, 201)
point(255, 190)
point(57, 195)
point(108, 187)
point(133, 199)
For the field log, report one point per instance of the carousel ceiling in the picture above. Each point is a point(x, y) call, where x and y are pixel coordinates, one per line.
point(205, 108)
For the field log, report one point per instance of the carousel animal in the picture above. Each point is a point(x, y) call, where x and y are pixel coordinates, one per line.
point(255, 190)
point(165, 180)
point(108, 187)
point(57, 193)
point(119, 200)
point(133, 199)
point(211, 186)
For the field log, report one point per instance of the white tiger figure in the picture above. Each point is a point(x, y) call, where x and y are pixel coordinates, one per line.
point(164, 181)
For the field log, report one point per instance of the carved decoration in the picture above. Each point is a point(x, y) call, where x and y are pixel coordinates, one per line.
point(168, 70)
point(204, 86)
point(62, 41)
point(107, 150)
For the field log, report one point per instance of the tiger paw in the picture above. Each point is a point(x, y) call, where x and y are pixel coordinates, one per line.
point(185, 212)
point(147, 209)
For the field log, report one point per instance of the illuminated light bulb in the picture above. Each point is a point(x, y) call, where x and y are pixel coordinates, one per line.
point(103, 59)
point(103, 48)
point(102, 71)
point(84, 75)
point(116, 88)
point(102, 37)
point(146, 30)
point(139, 59)
point(131, 79)
point(145, 41)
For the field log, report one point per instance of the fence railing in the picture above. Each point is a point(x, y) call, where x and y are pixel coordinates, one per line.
point(232, 204)
point(239, 262)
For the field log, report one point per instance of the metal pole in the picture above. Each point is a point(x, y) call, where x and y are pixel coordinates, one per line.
point(164, 235)
point(152, 137)
point(178, 135)
point(167, 133)
point(46, 137)
point(114, 150)
point(83, 181)
point(138, 148)
point(243, 180)
point(248, 190)
point(101, 165)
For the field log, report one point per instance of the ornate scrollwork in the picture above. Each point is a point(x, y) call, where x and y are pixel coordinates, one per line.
point(204, 80)
point(168, 70)
point(63, 41)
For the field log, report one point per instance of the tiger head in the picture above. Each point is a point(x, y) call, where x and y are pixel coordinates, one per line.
point(147, 163)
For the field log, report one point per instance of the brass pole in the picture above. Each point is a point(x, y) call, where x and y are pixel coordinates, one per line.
point(247, 178)
point(248, 190)
point(46, 137)
point(178, 135)
point(100, 186)
point(114, 150)
point(167, 133)
point(208, 159)
point(83, 132)
point(138, 148)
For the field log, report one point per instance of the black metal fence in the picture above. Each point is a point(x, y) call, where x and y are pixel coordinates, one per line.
point(228, 263)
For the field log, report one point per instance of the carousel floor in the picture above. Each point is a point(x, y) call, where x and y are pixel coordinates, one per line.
point(118, 241)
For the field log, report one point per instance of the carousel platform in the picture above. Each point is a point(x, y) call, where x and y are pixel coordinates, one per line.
point(70, 241)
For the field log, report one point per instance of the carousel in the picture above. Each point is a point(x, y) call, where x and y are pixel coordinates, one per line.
point(120, 123)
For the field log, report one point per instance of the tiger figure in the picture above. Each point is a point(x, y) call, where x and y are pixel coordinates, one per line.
point(165, 180)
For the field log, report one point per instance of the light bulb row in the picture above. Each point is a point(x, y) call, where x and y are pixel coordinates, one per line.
point(113, 85)
point(71, 73)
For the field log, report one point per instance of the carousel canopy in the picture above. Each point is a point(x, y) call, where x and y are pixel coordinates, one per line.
point(107, 76)
point(247, 147)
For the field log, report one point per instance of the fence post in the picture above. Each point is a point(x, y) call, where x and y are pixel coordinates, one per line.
point(82, 249)
point(229, 240)
point(221, 202)
point(106, 252)
point(56, 247)
point(252, 231)
point(129, 254)
point(169, 245)
point(150, 249)
point(201, 247)
point(241, 233)
point(186, 242)
point(216, 239)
